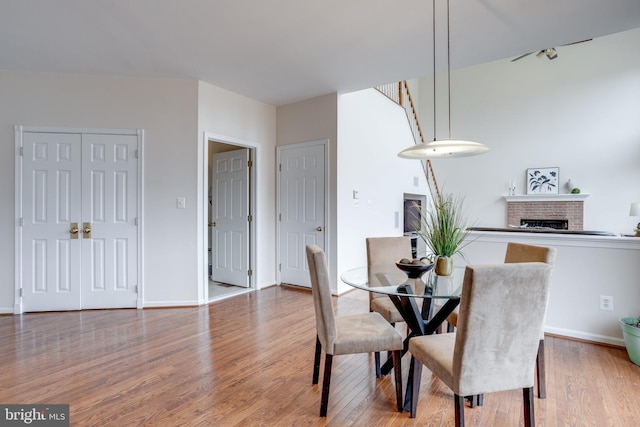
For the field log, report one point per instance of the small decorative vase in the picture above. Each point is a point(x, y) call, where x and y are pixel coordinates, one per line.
point(631, 338)
point(444, 266)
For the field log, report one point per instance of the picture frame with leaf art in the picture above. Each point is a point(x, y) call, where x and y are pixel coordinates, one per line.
point(543, 180)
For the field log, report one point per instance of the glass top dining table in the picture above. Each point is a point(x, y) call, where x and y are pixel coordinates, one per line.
point(437, 289)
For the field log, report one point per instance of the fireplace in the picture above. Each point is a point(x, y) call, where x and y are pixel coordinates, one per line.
point(563, 212)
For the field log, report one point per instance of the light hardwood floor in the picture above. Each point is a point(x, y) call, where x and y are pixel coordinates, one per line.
point(247, 361)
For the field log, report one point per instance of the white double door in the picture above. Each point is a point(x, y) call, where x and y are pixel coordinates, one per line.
point(79, 237)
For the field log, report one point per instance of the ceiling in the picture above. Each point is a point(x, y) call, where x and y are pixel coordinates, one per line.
point(282, 51)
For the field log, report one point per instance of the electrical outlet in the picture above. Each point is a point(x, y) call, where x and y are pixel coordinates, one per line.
point(606, 303)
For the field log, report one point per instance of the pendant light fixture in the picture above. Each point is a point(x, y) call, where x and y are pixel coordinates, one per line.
point(442, 147)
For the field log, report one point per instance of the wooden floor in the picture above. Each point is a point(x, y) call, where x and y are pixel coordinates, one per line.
point(247, 361)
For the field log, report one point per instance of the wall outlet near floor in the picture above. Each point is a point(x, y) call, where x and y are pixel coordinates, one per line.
point(606, 303)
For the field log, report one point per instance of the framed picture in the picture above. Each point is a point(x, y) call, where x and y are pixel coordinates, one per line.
point(542, 180)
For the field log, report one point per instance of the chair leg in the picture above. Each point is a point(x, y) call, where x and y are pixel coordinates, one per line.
point(458, 405)
point(416, 366)
point(529, 418)
point(316, 361)
point(472, 401)
point(540, 372)
point(480, 399)
point(326, 382)
point(376, 356)
point(397, 370)
point(449, 327)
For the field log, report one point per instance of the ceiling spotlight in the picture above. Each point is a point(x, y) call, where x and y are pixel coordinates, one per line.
point(549, 53)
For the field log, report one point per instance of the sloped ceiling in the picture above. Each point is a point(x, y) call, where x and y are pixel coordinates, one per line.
point(281, 51)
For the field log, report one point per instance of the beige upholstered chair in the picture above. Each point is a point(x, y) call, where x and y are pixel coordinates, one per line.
point(518, 252)
point(502, 310)
point(382, 255)
point(357, 333)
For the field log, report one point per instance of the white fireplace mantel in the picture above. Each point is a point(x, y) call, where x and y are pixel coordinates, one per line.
point(547, 198)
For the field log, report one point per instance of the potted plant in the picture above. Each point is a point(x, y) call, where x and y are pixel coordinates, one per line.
point(631, 332)
point(444, 231)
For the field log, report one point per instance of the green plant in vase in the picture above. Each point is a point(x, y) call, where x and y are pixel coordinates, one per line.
point(444, 231)
point(631, 333)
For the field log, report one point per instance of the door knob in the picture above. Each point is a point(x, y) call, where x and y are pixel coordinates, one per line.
point(318, 228)
point(86, 230)
point(74, 230)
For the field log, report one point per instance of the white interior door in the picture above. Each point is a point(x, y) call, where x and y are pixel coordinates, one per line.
point(230, 218)
point(302, 209)
point(79, 225)
point(51, 210)
point(109, 211)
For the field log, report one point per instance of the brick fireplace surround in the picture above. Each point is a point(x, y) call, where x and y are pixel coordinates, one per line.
point(572, 211)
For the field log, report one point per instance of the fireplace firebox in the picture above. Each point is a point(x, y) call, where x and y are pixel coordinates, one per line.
point(556, 224)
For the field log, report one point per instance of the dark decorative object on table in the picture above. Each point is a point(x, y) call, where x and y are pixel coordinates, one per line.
point(415, 268)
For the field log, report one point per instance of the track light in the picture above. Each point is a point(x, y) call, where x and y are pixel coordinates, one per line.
point(549, 53)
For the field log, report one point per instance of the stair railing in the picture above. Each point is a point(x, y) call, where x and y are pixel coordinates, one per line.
point(400, 94)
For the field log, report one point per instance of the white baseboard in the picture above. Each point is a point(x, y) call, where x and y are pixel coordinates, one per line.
point(6, 310)
point(586, 336)
point(166, 304)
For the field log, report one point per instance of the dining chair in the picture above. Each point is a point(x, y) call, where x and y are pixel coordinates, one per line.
point(382, 255)
point(348, 334)
point(502, 309)
point(519, 252)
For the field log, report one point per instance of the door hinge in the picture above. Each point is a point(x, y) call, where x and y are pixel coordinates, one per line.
point(250, 272)
point(279, 267)
point(135, 289)
point(20, 222)
point(280, 167)
point(20, 292)
point(135, 221)
point(136, 153)
point(250, 218)
point(21, 151)
point(280, 217)
point(250, 163)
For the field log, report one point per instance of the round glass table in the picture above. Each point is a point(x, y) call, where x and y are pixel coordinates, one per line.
point(437, 294)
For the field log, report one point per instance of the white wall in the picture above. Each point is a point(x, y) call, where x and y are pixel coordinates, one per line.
point(313, 120)
point(578, 112)
point(244, 121)
point(586, 267)
point(371, 132)
point(167, 110)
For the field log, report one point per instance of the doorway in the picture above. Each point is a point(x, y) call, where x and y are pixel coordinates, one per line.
point(302, 207)
point(78, 199)
point(229, 181)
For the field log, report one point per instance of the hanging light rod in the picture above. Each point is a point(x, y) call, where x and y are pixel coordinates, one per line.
point(442, 148)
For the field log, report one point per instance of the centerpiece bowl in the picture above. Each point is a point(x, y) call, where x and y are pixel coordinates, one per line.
point(414, 268)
